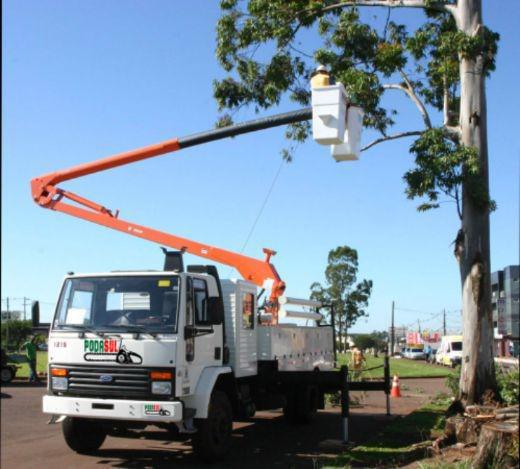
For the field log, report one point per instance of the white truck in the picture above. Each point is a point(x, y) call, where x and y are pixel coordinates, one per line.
point(182, 349)
point(191, 355)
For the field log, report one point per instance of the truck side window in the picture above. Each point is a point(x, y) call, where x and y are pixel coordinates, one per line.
point(248, 308)
point(200, 296)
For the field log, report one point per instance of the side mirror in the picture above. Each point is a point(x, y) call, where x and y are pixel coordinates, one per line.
point(189, 332)
point(35, 313)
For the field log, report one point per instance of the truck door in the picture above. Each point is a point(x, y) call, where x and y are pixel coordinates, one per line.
point(205, 349)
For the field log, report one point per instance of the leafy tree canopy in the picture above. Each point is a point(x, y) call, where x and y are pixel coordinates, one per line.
point(17, 331)
point(350, 299)
point(258, 43)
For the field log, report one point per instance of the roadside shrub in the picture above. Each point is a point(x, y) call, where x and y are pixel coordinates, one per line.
point(508, 386)
point(14, 332)
point(508, 383)
point(452, 382)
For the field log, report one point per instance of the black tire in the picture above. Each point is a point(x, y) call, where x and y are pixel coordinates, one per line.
point(83, 436)
point(302, 405)
point(212, 441)
point(7, 374)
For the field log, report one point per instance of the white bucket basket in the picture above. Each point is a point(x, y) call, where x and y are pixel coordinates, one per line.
point(350, 149)
point(329, 106)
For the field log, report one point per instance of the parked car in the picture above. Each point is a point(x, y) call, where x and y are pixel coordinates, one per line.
point(414, 353)
point(8, 371)
point(450, 351)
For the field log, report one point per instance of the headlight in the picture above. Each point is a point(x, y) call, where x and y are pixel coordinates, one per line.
point(59, 384)
point(161, 387)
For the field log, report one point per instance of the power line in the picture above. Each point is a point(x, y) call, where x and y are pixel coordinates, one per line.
point(408, 310)
point(264, 203)
point(261, 210)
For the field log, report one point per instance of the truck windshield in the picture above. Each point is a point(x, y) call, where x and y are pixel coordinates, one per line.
point(456, 346)
point(132, 303)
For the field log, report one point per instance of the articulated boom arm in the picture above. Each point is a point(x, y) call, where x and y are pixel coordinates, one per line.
point(260, 272)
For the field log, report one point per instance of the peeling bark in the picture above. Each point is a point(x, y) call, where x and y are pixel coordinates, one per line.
point(473, 252)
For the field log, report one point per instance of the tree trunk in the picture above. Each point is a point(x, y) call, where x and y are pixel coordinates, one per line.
point(341, 350)
point(472, 246)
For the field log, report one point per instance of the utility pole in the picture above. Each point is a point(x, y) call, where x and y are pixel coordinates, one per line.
point(392, 333)
point(25, 300)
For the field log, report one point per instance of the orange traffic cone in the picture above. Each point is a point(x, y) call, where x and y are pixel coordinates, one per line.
point(396, 390)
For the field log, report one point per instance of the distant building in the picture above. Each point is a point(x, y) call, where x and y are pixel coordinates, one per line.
point(8, 315)
point(399, 337)
point(400, 333)
point(505, 300)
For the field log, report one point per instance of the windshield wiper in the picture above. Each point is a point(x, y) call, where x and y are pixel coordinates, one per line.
point(81, 329)
point(137, 329)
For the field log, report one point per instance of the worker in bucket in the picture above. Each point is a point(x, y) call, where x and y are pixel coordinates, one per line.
point(320, 77)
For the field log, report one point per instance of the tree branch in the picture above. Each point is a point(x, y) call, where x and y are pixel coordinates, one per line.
point(392, 137)
point(445, 104)
point(408, 89)
point(440, 5)
point(454, 132)
point(457, 201)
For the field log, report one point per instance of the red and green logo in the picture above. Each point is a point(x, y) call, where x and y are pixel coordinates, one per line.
point(101, 346)
point(152, 409)
point(155, 409)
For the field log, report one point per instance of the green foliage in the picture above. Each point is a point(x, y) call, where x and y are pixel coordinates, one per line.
point(17, 331)
point(452, 382)
point(349, 298)
point(509, 386)
point(443, 166)
point(366, 341)
point(508, 383)
point(259, 43)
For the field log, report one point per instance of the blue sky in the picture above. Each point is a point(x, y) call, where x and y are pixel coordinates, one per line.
point(87, 79)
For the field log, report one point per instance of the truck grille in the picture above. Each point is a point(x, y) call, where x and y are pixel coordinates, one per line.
point(124, 382)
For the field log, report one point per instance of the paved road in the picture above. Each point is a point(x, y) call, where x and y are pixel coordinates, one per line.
point(267, 440)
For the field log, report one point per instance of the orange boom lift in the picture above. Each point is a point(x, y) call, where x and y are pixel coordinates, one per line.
point(260, 272)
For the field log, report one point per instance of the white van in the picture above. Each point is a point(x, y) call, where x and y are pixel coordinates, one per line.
point(450, 351)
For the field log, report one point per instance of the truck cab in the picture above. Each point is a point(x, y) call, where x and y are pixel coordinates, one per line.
point(174, 349)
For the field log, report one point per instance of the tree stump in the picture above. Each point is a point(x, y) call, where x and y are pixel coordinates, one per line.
point(460, 429)
point(497, 446)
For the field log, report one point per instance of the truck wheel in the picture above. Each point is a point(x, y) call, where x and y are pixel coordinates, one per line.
point(83, 436)
point(7, 375)
point(301, 405)
point(213, 438)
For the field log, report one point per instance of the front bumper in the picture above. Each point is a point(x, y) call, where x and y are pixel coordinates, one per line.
point(114, 409)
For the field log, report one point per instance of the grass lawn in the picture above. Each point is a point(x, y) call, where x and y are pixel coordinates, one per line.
point(402, 367)
point(20, 360)
point(404, 440)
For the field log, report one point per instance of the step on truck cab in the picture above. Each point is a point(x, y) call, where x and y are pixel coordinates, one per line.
point(179, 350)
